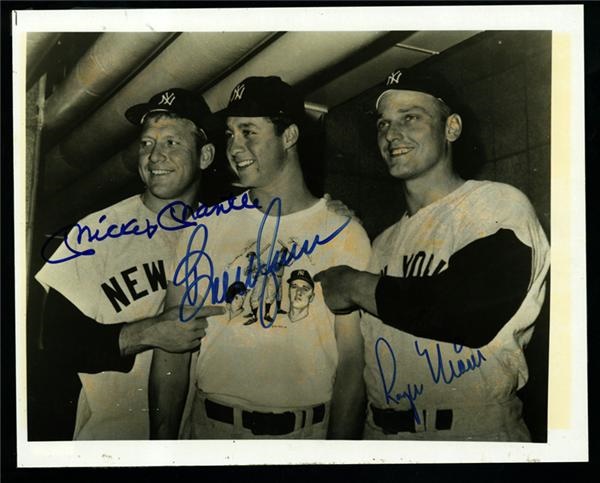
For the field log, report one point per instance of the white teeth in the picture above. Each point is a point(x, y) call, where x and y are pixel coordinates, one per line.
point(400, 151)
point(245, 163)
point(159, 172)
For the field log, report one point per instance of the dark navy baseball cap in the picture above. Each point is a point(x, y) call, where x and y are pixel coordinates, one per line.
point(234, 289)
point(264, 97)
point(429, 83)
point(301, 275)
point(182, 102)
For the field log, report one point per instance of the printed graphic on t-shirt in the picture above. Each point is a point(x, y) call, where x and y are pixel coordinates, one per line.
point(285, 291)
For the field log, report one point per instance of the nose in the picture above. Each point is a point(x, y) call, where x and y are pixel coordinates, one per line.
point(394, 132)
point(235, 145)
point(156, 154)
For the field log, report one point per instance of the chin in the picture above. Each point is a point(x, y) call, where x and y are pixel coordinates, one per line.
point(164, 194)
point(398, 173)
point(246, 182)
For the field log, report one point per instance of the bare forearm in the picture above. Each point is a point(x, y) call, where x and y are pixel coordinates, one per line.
point(348, 403)
point(168, 384)
point(348, 400)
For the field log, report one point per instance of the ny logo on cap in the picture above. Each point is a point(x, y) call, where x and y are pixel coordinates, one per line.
point(394, 78)
point(238, 92)
point(167, 98)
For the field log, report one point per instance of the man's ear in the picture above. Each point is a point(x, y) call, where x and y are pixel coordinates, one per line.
point(453, 127)
point(207, 155)
point(290, 136)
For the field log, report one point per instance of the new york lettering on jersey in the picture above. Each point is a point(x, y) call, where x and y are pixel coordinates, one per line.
point(134, 283)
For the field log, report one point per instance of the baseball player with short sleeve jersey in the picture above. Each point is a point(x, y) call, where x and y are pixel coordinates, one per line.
point(287, 371)
point(123, 281)
point(476, 386)
point(453, 288)
point(112, 268)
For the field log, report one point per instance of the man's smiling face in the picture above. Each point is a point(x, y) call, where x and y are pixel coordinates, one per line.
point(169, 162)
point(410, 133)
point(254, 150)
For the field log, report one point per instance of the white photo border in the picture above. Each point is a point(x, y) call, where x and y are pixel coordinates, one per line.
point(567, 436)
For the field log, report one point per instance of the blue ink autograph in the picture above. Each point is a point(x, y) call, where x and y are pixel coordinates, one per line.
point(462, 366)
point(439, 372)
point(411, 393)
point(196, 270)
point(179, 215)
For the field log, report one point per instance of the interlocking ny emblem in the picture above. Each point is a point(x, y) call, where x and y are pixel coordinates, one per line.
point(237, 93)
point(167, 98)
point(394, 78)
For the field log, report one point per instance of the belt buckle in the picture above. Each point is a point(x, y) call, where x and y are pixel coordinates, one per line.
point(267, 423)
point(394, 421)
point(250, 421)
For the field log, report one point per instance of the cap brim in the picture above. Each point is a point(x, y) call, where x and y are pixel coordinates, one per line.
point(211, 124)
point(135, 113)
point(245, 110)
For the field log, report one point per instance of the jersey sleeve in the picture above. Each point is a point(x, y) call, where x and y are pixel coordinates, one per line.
point(73, 270)
point(486, 281)
point(468, 303)
point(79, 342)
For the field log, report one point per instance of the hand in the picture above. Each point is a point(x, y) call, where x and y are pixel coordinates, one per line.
point(172, 335)
point(337, 283)
point(339, 208)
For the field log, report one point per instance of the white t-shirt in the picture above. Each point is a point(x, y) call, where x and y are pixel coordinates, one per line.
point(279, 363)
point(448, 375)
point(125, 280)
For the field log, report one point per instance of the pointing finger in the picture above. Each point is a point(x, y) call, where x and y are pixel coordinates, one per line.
point(198, 324)
point(209, 311)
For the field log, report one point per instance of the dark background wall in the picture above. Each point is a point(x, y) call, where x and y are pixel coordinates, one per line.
point(504, 80)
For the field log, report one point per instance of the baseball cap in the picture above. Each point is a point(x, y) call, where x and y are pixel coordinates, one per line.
point(301, 275)
point(264, 96)
point(234, 289)
point(430, 83)
point(182, 102)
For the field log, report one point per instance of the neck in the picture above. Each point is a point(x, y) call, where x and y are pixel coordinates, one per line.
point(298, 314)
point(434, 185)
point(289, 186)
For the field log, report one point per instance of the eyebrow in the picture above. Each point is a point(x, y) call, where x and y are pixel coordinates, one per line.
point(408, 109)
point(168, 134)
point(243, 125)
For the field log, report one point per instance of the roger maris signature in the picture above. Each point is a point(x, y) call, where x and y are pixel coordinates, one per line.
point(441, 371)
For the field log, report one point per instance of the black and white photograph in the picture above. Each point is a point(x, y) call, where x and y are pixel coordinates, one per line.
point(337, 228)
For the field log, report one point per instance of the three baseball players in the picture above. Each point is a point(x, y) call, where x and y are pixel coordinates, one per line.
point(448, 300)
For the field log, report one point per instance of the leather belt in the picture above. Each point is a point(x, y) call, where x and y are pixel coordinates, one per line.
point(392, 421)
point(263, 423)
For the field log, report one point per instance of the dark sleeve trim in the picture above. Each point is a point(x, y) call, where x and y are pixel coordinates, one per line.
point(468, 303)
point(80, 343)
